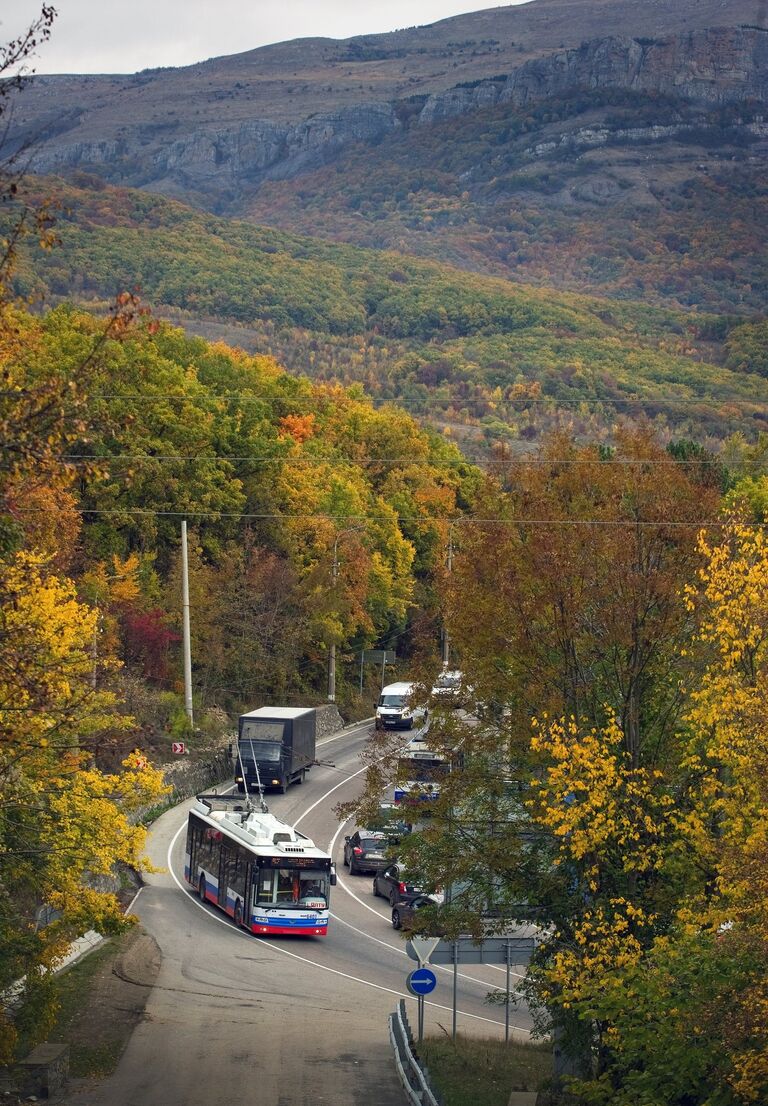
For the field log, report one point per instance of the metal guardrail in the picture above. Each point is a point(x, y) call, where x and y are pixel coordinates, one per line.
point(415, 1085)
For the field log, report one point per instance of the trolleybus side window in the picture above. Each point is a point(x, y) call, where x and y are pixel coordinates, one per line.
point(233, 869)
point(203, 850)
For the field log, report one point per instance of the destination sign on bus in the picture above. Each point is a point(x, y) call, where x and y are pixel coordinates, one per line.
point(290, 862)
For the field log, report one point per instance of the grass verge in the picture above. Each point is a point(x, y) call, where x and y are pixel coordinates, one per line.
point(472, 1071)
point(91, 1018)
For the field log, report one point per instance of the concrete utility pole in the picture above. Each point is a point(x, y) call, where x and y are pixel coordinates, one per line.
point(332, 647)
point(187, 641)
point(334, 578)
point(446, 638)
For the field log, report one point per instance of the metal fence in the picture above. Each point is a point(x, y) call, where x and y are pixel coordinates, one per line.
point(414, 1078)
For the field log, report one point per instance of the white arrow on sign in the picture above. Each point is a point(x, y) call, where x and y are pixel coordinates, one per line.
point(424, 947)
point(178, 747)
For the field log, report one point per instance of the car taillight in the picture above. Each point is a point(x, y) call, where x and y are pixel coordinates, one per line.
point(401, 888)
point(357, 851)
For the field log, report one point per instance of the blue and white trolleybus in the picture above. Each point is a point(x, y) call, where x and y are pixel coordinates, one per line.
point(262, 872)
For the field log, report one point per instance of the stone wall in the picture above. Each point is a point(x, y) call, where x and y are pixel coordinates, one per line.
point(329, 721)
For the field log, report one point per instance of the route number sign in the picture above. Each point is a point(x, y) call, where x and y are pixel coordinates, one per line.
point(178, 747)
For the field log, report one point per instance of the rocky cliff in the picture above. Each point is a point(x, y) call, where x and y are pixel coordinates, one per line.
point(215, 164)
point(228, 158)
point(718, 66)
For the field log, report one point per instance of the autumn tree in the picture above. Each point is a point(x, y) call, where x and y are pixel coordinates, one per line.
point(63, 822)
point(566, 604)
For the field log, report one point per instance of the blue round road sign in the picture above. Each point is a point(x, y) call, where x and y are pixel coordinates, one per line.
point(421, 982)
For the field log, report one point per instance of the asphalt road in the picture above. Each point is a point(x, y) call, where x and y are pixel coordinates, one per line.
point(288, 1021)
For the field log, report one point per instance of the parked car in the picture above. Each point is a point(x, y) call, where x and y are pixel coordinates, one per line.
point(366, 851)
point(391, 884)
point(404, 914)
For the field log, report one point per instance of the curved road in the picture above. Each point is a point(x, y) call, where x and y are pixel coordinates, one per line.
point(289, 1021)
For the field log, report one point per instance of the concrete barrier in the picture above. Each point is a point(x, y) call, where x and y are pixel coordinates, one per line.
point(45, 1071)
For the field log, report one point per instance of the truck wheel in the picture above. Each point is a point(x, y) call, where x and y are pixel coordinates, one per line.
point(302, 776)
point(283, 787)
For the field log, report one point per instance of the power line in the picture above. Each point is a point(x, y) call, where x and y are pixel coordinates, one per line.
point(199, 458)
point(459, 520)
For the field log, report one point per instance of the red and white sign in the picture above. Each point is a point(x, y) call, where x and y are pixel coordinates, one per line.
point(178, 747)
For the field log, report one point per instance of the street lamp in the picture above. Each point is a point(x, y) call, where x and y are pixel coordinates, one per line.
point(334, 577)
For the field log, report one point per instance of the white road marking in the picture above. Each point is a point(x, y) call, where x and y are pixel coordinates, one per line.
point(325, 796)
point(383, 917)
point(302, 959)
point(369, 936)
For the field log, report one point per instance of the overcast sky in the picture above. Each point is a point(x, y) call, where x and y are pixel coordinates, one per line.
point(124, 36)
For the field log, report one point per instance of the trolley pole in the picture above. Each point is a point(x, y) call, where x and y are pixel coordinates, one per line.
point(185, 625)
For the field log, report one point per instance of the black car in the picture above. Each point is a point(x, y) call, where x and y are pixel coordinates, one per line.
point(366, 851)
point(404, 913)
point(391, 884)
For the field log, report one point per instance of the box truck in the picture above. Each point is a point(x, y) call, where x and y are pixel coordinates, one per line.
point(276, 746)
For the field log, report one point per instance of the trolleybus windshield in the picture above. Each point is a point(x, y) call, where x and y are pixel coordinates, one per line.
point(422, 770)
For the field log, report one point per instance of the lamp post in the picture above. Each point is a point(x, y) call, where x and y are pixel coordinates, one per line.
point(332, 646)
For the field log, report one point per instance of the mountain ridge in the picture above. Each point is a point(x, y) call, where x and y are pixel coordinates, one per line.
point(230, 123)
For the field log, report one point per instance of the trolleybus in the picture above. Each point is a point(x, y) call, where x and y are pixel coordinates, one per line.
point(262, 872)
point(420, 771)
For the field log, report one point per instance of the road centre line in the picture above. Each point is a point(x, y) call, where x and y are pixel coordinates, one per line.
point(302, 959)
point(395, 948)
point(383, 918)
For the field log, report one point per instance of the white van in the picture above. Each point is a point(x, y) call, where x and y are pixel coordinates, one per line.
point(393, 710)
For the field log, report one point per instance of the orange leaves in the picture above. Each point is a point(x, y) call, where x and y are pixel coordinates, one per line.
point(299, 427)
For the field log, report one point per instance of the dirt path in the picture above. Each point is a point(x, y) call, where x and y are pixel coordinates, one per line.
point(117, 997)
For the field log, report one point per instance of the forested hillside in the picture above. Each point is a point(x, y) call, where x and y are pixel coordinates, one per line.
point(269, 469)
point(457, 349)
point(614, 192)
